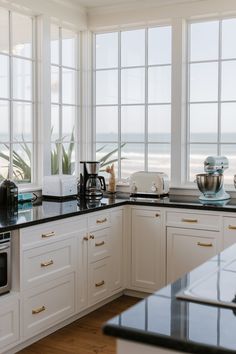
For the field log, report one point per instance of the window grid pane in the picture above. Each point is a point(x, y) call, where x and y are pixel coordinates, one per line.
point(17, 110)
point(211, 97)
point(64, 105)
point(132, 112)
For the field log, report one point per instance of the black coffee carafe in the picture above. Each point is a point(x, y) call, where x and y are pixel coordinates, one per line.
point(8, 194)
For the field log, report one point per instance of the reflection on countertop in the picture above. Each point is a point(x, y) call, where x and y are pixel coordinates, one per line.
point(48, 210)
point(164, 321)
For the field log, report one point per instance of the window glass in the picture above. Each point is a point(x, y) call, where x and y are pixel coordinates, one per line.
point(212, 100)
point(21, 35)
point(17, 97)
point(68, 46)
point(159, 45)
point(64, 103)
point(133, 48)
point(204, 39)
point(106, 50)
point(133, 102)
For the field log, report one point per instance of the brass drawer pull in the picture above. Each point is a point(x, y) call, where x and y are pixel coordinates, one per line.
point(46, 264)
point(100, 284)
point(40, 309)
point(190, 220)
point(202, 244)
point(157, 215)
point(100, 243)
point(49, 234)
point(91, 236)
point(232, 227)
point(101, 221)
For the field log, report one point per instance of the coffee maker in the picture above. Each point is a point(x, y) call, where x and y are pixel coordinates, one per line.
point(90, 184)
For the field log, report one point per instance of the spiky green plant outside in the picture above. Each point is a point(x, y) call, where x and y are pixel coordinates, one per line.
point(22, 170)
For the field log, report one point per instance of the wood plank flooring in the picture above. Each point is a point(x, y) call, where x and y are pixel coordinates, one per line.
point(83, 336)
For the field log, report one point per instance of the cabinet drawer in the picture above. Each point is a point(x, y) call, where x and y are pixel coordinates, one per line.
point(100, 244)
point(193, 220)
point(187, 249)
point(99, 220)
point(45, 263)
point(9, 322)
point(229, 233)
point(51, 231)
point(47, 305)
point(98, 280)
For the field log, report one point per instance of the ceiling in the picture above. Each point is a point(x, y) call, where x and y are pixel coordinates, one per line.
point(89, 4)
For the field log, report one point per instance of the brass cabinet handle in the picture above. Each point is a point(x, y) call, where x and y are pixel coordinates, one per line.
point(86, 238)
point(101, 221)
point(100, 284)
point(100, 243)
point(40, 309)
point(190, 220)
point(91, 236)
point(46, 264)
point(202, 244)
point(232, 227)
point(49, 234)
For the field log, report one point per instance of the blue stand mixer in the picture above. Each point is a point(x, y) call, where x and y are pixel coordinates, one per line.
point(211, 183)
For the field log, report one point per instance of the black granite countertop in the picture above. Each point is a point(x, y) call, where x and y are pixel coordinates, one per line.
point(44, 210)
point(185, 326)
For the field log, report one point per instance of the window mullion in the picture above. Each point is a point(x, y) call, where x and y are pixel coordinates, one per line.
point(10, 101)
point(60, 101)
point(219, 89)
point(146, 104)
point(119, 105)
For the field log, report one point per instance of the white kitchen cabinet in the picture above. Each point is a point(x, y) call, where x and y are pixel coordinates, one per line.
point(229, 231)
point(49, 261)
point(48, 304)
point(187, 249)
point(99, 264)
point(147, 249)
point(9, 320)
point(99, 280)
point(117, 259)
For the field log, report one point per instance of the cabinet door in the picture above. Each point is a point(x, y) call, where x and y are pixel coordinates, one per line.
point(82, 271)
point(9, 321)
point(147, 265)
point(99, 280)
point(48, 304)
point(187, 249)
point(229, 234)
point(116, 250)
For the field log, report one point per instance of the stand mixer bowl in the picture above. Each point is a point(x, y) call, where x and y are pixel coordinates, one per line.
point(209, 184)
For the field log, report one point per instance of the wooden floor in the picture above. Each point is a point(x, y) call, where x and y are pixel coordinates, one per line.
point(83, 336)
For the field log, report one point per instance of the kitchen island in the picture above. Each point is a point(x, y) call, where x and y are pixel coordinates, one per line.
point(161, 323)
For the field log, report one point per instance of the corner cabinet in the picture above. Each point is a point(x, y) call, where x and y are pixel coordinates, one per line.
point(147, 249)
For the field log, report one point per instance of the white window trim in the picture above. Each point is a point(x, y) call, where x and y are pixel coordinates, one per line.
point(146, 104)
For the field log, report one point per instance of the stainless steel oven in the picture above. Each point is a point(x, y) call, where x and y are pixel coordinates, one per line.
point(5, 262)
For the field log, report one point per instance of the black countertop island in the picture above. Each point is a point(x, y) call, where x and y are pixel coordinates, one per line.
point(49, 210)
point(162, 320)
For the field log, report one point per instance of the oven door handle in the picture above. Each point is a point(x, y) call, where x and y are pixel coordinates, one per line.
point(2, 248)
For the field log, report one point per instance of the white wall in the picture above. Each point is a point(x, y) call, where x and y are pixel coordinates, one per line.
point(150, 12)
point(62, 10)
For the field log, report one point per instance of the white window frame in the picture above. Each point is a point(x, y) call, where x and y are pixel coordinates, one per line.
point(219, 61)
point(146, 104)
point(11, 100)
point(60, 104)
